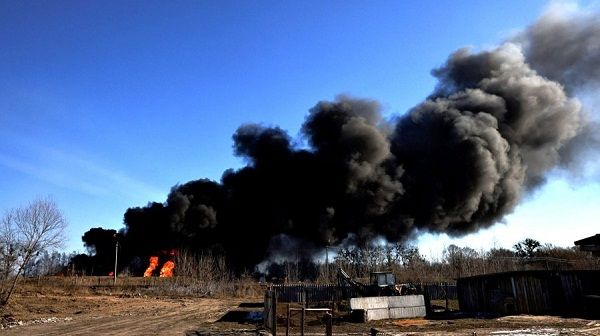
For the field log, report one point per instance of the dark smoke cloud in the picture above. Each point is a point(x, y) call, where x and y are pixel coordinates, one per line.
point(459, 161)
point(100, 244)
point(582, 151)
point(491, 130)
point(564, 45)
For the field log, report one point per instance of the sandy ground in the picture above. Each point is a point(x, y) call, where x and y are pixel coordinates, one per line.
point(125, 315)
point(112, 315)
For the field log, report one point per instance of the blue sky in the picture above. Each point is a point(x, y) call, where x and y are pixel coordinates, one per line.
point(107, 105)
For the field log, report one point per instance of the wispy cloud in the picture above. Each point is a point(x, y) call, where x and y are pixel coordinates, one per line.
point(75, 171)
point(60, 179)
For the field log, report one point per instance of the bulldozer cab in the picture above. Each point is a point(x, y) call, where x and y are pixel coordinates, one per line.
point(383, 279)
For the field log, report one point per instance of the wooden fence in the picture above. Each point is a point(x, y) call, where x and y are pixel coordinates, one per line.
point(438, 291)
point(309, 293)
point(312, 293)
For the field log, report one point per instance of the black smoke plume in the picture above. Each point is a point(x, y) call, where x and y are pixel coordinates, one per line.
point(100, 245)
point(493, 128)
point(564, 46)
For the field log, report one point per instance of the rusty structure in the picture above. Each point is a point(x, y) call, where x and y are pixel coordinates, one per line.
point(590, 244)
point(575, 293)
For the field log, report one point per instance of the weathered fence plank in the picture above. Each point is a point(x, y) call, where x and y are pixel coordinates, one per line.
point(311, 293)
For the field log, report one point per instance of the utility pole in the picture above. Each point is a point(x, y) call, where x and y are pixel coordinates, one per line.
point(116, 254)
point(327, 258)
point(327, 261)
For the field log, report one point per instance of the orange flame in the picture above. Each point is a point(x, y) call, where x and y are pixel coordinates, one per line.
point(167, 270)
point(151, 267)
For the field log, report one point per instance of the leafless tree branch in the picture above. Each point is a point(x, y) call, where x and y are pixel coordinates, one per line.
point(27, 231)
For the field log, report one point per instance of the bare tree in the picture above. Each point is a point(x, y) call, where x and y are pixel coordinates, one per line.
point(31, 229)
point(8, 247)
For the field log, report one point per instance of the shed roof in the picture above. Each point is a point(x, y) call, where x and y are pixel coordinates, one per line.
point(593, 240)
point(529, 272)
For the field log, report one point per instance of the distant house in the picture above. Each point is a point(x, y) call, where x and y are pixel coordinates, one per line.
point(531, 292)
point(591, 244)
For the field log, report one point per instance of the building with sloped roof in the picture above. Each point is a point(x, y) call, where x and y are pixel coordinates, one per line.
point(590, 244)
point(575, 293)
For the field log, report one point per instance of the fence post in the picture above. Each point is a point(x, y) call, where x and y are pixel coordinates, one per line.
point(287, 323)
point(304, 296)
point(446, 294)
point(270, 311)
point(266, 309)
point(328, 324)
point(274, 313)
point(302, 317)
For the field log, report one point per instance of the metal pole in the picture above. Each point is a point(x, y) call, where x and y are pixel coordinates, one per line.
point(116, 255)
point(327, 261)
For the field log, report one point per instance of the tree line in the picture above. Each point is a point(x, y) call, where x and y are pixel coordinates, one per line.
point(405, 260)
point(410, 265)
point(31, 237)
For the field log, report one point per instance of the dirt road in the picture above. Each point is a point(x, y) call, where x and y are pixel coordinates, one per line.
point(106, 315)
point(124, 315)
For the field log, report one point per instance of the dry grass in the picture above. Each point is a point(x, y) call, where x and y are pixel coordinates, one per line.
point(178, 286)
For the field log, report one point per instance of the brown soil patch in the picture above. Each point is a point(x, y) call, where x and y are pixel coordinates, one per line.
point(112, 315)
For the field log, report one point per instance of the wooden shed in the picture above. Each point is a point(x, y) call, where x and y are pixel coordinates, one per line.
point(531, 292)
point(590, 244)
